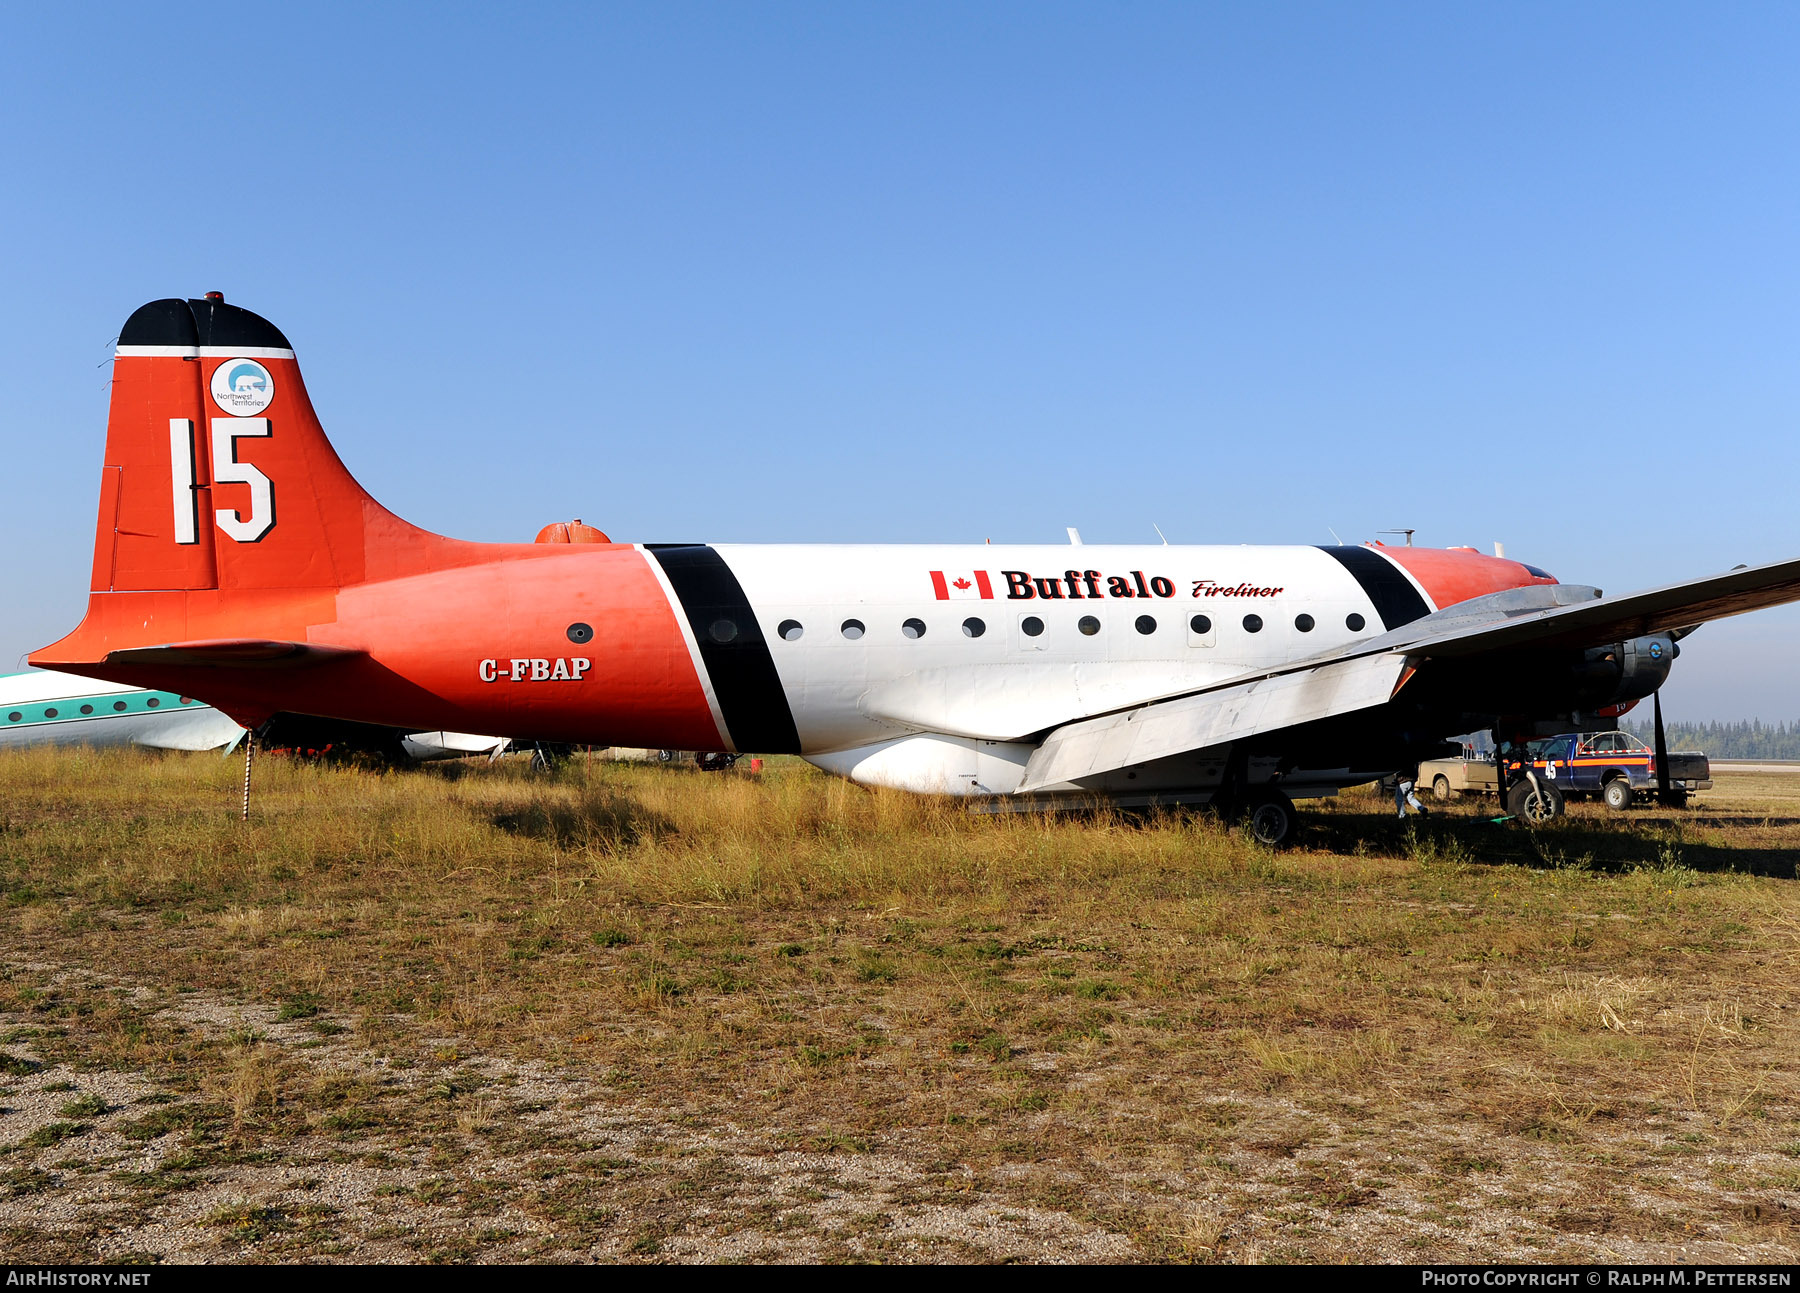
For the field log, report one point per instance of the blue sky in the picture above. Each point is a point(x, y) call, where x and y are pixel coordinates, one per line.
point(949, 272)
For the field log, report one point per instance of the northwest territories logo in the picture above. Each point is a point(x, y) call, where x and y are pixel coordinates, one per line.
point(242, 387)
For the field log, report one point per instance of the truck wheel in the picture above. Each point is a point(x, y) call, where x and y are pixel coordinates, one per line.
point(1617, 794)
point(1270, 818)
point(1537, 804)
point(1440, 789)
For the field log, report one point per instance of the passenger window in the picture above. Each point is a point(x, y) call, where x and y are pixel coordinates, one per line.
point(973, 628)
point(1304, 623)
point(722, 631)
point(914, 629)
point(1253, 624)
point(1088, 625)
point(1200, 631)
point(790, 630)
point(1031, 626)
point(852, 629)
point(1354, 622)
point(1146, 624)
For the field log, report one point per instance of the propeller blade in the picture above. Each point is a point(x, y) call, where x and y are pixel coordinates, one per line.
point(1663, 795)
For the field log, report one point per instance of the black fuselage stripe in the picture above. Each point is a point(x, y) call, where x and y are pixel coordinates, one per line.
point(1395, 598)
point(732, 648)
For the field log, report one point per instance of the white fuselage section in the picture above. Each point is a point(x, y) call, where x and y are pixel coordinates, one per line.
point(1165, 619)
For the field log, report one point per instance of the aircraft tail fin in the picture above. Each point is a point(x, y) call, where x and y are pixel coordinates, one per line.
point(218, 474)
point(224, 510)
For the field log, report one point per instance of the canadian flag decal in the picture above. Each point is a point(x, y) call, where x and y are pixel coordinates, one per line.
point(955, 586)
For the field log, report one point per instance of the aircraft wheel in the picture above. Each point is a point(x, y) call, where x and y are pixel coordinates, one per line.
point(1617, 794)
point(1535, 804)
point(1270, 820)
point(1440, 790)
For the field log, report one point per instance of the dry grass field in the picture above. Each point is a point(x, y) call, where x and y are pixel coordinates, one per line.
point(632, 1013)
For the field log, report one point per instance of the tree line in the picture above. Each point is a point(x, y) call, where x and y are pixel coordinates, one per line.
point(1752, 740)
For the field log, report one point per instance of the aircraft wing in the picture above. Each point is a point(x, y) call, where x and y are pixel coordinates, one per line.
point(1370, 674)
point(1216, 717)
point(1607, 619)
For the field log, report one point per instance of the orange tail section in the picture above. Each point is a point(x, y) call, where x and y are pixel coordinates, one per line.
point(220, 487)
point(236, 560)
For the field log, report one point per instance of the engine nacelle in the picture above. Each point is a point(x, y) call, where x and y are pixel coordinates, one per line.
point(1629, 671)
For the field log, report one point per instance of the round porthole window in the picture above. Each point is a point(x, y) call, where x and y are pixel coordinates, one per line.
point(581, 634)
point(1354, 622)
point(1200, 624)
point(50, 713)
point(119, 705)
point(722, 631)
point(790, 630)
point(1253, 624)
point(153, 702)
point(1304, 623)
point(1089, 625)
point(913, 629)
point(852, 629)
point(87, 709)
point(1146, 624)
point(14, 717)
point(187, 700)
point(973, 628)
point(1031, 626)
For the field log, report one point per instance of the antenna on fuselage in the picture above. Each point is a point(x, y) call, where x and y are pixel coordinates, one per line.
point(1407, 533)
point(1074, 535)
point(1159, 533)
point(1334, 536)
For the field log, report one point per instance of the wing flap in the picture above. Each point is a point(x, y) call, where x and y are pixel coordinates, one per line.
point(1216, 717)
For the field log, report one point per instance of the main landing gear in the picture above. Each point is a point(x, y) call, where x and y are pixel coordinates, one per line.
point(1269, 818)
point(1534, 800)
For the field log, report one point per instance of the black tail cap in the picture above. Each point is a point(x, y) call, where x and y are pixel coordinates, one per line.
point(174, 322)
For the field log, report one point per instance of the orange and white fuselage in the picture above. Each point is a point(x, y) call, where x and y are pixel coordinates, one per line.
point(238, 561)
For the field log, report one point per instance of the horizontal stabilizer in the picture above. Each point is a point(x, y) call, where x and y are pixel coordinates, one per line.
point(1098, 745)
point(232, 653)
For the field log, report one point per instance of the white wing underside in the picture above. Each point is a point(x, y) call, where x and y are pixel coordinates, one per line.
point(1097, 745)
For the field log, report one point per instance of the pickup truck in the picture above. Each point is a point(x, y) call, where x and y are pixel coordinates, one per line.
point(1472, 774)
point(1615, 766)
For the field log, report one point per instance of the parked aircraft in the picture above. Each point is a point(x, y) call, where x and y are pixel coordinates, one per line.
point(44, 707)
point(237, 560)
point(49, 708)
